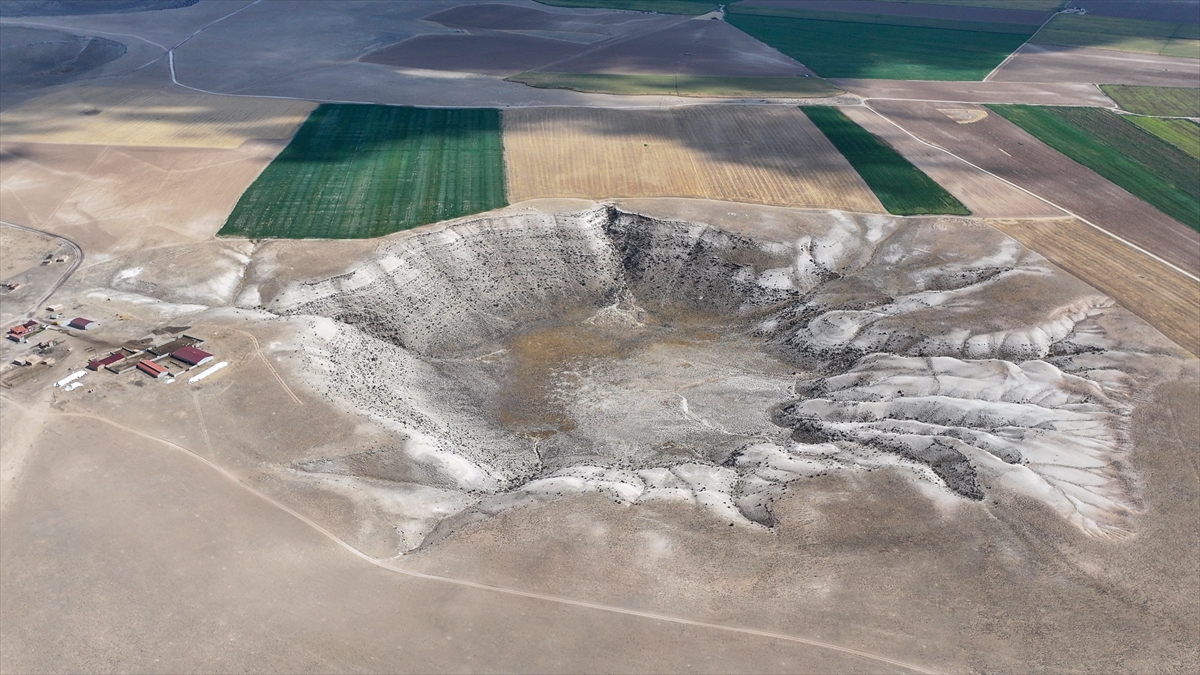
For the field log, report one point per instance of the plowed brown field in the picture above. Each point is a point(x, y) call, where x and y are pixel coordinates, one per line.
point(1008, 151)
point(1164, 298)
point(986, 196)
point(758, 155)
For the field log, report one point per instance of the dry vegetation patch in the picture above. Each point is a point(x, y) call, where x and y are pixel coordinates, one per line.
point(115, 116)
point(757, 155)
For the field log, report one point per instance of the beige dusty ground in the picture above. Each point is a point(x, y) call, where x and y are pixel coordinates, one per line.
point(114, 199)
point(866, 562)
point(1035, 93)
point(738, 153)
point(20, 250)
point(118, 116)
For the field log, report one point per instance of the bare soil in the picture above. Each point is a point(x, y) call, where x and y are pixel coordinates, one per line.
point(516, 18)
point(122, 199)
point(694, 47)
point(489, 54)
point(32, 58)
point(1048, 63)
point(759, 155)
point(1004, 149)
point(984, 195)
point(20, 250)
point(1040, 93)
point(1173, 11)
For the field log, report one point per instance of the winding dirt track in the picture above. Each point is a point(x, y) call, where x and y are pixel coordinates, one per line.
point(76, 261)
point(487, 587)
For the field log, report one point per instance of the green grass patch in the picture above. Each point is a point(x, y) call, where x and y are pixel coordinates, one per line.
point(692, 7)
point(681, 85)
point(902, 188)
point(864, 50)
point(1125, 35)
point(1183, 134)
point(884, 19)
point(356, 171)
point(1107, 143)
point(1155, 101)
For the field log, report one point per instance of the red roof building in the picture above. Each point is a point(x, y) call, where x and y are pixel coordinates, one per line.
point(192, 356)
point(151, 368)
point(81, 323)
point(97, 364)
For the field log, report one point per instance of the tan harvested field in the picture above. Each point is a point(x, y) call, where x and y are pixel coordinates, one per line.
point(118, 116)
point(1006, 150)
point(986, 196)
point(1047, 63)
point(1164, 298)
point(1040, 93)
point(763, 155)
point(113, 199)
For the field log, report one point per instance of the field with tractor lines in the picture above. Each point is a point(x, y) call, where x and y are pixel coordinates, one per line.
point(1155, 101)
point(903, 189)
point(763, 155)
point(368, 170)
point(1154, 170)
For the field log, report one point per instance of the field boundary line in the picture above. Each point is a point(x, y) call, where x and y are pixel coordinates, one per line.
point(1065, 210)
point(488, 587)
point(1014, 52)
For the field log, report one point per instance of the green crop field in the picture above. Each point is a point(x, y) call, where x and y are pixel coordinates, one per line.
point(1125, 35)
point(681, 85)
point(902, 188)
point(1183, 134)
point(885, 19)
point(872, 50)
point(355, 171)
point(1155, 101)
point(693, 7)
point(1101, 140)
point(1031, 5)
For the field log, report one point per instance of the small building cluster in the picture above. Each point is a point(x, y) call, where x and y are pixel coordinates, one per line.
point(22, 332)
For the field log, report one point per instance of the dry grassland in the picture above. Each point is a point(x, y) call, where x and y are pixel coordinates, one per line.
point(114, 116)
point(757, 155)
point(114, 199)
point(1162, 297)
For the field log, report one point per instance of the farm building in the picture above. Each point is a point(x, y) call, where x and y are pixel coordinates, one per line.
point(151, 368)
point(192, 356)
point(97, 364)
point(175, 345)
point(80, 323)
point(22, 330)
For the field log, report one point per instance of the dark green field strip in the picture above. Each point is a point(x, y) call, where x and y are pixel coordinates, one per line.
point(864, 50)
point(1031, 5)
point(885, 19)
point(1183, 134)
point(681, 85)
point(902, 188)
point(691, 7)
point(1148, 167)
point(1155, 101)
point(355, 171)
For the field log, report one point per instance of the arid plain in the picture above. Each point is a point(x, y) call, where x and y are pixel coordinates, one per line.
point(554, 436)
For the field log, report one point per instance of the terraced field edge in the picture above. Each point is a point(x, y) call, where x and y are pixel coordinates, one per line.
point(355, 171)
point(681, 85)
point(1150, 168)
point(901, 187)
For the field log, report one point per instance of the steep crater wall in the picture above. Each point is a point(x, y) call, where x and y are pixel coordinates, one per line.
point(530, 356)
